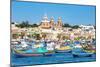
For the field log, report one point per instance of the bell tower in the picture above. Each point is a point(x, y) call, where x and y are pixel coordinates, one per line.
point(59, 23)
point(52, 21)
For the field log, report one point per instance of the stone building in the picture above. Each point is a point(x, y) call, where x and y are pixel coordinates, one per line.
point(46, 24)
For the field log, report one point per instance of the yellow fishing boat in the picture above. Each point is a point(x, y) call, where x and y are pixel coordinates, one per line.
point(63, 49)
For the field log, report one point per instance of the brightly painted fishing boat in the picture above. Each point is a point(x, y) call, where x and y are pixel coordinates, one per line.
point(90, 51)
point(64, 49)
point(78, 52)
point(89, 48)
point(85, 54)
point(50, 47)
point(49, 53)
point(18, 54)
point(93, 50)
point(31, 52)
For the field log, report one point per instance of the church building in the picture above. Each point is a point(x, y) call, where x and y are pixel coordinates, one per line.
point(46, 24)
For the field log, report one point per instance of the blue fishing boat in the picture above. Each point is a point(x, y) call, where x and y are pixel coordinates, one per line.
point(31, 52)
point(18, 54)
point(49, 53)
point(78, 52)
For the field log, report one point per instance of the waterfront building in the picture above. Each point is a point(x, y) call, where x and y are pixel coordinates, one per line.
point(87, 27)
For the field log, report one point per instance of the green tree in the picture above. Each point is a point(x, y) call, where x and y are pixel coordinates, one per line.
point(75, 26)
point(66, 25)
point(23, 24)
point(37, 36)
point(34, 25)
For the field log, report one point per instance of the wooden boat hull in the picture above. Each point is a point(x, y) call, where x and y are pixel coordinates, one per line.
point(27, 55)
point(49, 53)
point(63, 51)
point(82, 54)
point(34, 54)
point(17, 53)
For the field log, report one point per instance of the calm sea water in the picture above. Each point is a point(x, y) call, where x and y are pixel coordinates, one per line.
point(56, 58)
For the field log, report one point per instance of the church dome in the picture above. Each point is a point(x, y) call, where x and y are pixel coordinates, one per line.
point(45, 19)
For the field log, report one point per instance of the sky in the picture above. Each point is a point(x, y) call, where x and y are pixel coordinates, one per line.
point(34, 12)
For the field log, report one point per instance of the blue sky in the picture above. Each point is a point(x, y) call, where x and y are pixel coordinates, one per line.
point(34, 12)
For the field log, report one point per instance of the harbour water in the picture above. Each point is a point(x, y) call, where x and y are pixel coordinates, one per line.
point(56, 58)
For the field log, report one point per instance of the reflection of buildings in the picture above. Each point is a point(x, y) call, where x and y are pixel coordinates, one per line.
point(46, 24)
